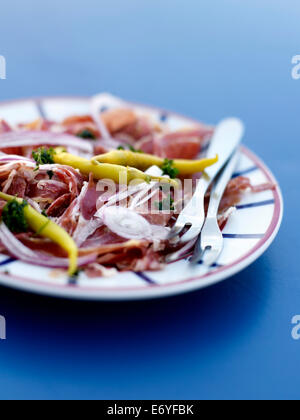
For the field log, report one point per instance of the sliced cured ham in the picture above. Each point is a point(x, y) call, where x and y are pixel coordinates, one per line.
point(185, 144)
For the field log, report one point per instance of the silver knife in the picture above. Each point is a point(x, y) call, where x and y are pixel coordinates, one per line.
point(225, 141)
point(210, 242)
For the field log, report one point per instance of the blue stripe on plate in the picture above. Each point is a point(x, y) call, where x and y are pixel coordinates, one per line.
point(243, 236)
point(164, 117)
point(245, 172)
point(205, 148)
point(7, 261)
point(215, 265)
point(41, 110)
point(144, 277)
point(258, 204)
point(73, 281)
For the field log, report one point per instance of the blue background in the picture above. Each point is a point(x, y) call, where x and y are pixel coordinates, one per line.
point(207, 59)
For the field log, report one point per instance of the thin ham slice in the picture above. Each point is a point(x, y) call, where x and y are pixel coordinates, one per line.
point(17, 187)
point(100, 237)
point(114, 120)
point(141, 128)
point(5, 128)
point(47, 189)
point(237, 187)
point(78, 219)
point(146, 144)
point(88, 203)
point(87, 223)
point(76, 126)
point(117, 120)
point(185, 144)
point(105, 249)
point(60, 205)
point(151, 261)
point(40, 124)
point(127, 256)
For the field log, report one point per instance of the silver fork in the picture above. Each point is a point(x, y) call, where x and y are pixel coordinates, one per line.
point(225, 141)
point(210, 243)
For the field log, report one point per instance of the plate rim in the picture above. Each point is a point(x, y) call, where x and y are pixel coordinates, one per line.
point(154, 291)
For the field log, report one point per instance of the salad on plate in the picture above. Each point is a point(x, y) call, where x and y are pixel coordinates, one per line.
point(101, 192)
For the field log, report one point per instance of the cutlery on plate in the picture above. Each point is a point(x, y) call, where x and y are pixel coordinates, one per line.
point(210, 242)
point(225, 141)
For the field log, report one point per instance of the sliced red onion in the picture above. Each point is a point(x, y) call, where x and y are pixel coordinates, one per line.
point(131, 225)
point(23, 253)
point(120, 196)
point(9, 180)
point(8, 167)
point(126, 223)
point(160, 233)
point(140, 198)
point(74, 210)
point(34, 204)
point(85, 229)
point(13, 158)
point(109, 144)
point(35, 138)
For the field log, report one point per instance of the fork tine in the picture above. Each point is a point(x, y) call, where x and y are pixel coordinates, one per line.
point(211, 238)
point(197, 257)
point(185, 251)
point(175, 232)
point(207, 256)
point(191, 234)
point(175, 256)
point(210, 256)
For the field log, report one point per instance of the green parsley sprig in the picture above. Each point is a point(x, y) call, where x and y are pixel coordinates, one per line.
point(87, 134)
point(43, 156)
point(14, 218)
point(166, 204)
point(131, 148)
point(169, 169)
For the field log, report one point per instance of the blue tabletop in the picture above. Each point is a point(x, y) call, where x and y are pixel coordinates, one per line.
point(207, 59)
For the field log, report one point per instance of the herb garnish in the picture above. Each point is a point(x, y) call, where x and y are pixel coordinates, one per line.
point(168, 169)
point(165, 188)
point(87, 134)
point(131, 148)
point(45, 214)
point(43, 156)
point(13, 216)
point(166, 204)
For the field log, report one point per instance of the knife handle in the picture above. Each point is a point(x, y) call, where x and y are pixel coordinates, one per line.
point(225, 141)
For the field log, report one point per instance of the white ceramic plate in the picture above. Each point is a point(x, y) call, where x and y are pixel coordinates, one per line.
point(249, 232)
